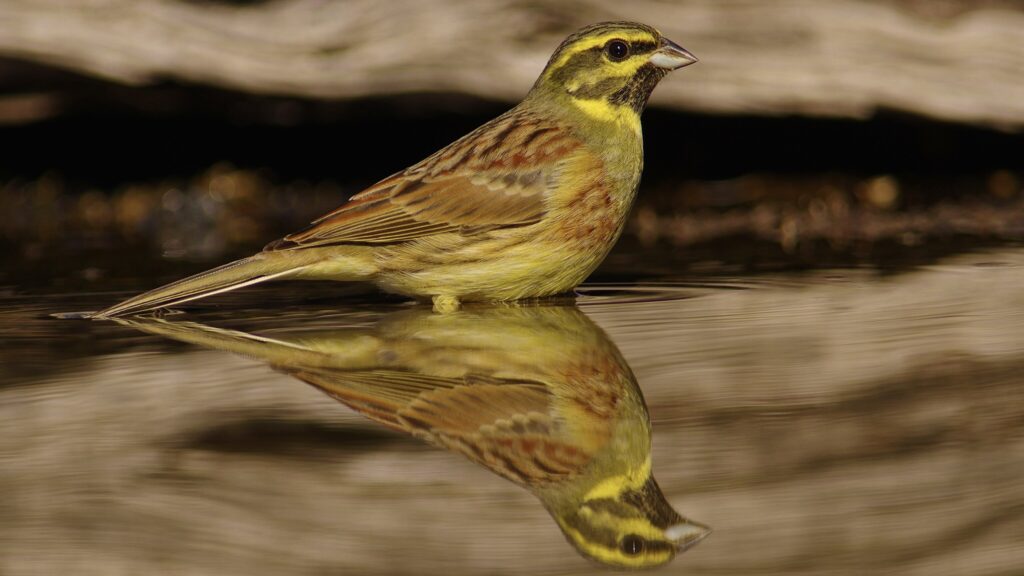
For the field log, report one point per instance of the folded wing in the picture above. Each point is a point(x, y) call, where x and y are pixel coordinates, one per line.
point(498, 176)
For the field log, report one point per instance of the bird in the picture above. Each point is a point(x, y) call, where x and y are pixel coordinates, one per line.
point(525, 206)
point(537, 394)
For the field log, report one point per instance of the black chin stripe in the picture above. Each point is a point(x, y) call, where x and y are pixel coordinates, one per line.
point(638, 89)
point(651, 500)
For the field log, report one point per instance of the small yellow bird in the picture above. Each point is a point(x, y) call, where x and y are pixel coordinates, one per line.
point(525, 206)
point(537, 394)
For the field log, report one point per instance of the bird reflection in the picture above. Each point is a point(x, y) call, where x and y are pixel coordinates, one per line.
point(538, 395)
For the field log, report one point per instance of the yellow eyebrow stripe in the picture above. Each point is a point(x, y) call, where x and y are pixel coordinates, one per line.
point(583, 45)
point(639, 526)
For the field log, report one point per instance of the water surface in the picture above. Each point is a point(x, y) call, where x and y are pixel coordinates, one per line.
point(833, 421)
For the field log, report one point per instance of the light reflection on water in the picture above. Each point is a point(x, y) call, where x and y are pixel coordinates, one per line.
point(535, 393)
point(835, 422)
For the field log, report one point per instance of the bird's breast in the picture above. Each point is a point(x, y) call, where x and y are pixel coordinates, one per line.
point(596, 195)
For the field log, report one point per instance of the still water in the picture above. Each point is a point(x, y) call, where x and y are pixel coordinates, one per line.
point(839, 421)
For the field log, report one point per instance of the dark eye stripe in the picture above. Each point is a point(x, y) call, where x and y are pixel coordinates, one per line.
point(639, 87)
point(643, 47)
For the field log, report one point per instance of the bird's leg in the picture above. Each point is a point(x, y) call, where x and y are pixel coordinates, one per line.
point(445, 304)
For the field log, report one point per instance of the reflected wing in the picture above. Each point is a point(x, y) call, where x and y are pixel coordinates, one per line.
point(509, 426)
point(506, 426)
point(497, 176)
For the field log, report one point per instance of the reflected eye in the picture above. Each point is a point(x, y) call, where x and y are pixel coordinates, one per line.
point(632, 545)
point(617, 50)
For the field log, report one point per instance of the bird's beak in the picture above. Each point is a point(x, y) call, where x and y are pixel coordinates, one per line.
point(687, 533)
point(671, 56)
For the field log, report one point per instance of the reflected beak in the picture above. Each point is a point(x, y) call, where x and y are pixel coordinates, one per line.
point(671, 56)
point(687, 533)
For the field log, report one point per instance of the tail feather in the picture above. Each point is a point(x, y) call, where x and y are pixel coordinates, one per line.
point(237, 274)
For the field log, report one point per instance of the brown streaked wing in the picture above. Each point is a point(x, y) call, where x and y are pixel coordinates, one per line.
point(468, 402)
point(506, 426)
point(498, 176)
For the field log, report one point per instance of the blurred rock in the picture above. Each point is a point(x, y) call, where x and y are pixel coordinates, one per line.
point(952, 60)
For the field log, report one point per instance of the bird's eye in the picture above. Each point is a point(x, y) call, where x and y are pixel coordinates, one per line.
point(617, 50)
point(632, 545)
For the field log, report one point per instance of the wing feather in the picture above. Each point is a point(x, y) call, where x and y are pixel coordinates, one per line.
point(498, 176)
point(507, 426)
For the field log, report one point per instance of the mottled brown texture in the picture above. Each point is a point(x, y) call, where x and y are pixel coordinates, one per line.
point(508, 427)
point(497, 176)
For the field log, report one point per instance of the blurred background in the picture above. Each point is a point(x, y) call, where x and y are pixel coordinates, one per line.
point(834, 194)
point(838, 130)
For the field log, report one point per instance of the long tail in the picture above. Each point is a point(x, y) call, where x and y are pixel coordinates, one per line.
point(238, 274)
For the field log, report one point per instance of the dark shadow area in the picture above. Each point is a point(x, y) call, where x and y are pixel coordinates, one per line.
point(122, 188)
point(274, 437)
point(107, 135)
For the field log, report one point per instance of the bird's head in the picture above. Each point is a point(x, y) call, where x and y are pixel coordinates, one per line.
point(627, 523)
point(609, 68)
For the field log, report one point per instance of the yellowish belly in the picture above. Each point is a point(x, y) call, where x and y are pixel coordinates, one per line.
point(532, 261)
